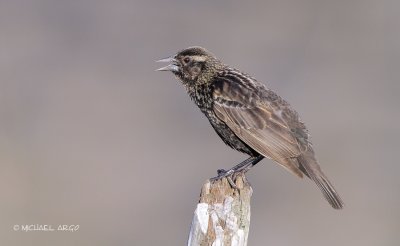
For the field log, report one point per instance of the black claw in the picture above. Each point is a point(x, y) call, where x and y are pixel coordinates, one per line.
point(242, 167)
point(220, 172)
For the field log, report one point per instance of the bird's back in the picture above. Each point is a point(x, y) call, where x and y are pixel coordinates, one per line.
point(269, 126)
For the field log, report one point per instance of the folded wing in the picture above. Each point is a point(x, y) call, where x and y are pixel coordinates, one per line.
point(258, 122)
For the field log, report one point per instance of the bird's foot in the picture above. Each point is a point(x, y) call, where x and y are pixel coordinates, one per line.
point(230, 175)
point(239, 169)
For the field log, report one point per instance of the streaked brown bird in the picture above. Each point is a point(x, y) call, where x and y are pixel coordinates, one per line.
point(248, 117)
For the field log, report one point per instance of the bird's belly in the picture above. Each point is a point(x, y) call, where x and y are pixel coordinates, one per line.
point(229, 137)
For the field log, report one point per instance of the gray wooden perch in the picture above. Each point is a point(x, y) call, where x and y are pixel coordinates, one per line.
point(222, 216)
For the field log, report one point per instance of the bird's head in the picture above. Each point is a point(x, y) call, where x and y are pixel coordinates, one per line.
point(194, 65)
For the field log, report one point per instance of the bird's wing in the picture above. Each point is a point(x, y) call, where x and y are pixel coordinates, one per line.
point(249, 113)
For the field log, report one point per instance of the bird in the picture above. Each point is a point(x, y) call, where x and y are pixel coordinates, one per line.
point(249, 117)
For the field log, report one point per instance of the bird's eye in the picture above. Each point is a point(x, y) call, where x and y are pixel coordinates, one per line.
point(186, 59)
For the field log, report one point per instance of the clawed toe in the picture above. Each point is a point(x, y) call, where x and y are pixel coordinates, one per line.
point(240, 168)
point(222, 173)
point(228, 174)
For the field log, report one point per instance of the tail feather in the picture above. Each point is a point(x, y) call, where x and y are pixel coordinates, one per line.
point(309, 166)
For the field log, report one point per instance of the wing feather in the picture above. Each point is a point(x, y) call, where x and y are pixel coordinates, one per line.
point(257, 123)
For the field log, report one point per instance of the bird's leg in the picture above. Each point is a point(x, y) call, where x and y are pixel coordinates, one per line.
point(244, 166)
point(247, 167)
point(224, 173)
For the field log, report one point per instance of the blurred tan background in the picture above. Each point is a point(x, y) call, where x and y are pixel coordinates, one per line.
point(87, 127)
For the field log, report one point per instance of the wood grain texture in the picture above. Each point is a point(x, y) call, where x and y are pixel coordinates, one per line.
point(222, 216)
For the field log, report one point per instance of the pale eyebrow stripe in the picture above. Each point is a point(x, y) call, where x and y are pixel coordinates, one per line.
point(199, 58)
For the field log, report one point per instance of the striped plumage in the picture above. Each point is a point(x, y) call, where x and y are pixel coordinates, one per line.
point(248, 116)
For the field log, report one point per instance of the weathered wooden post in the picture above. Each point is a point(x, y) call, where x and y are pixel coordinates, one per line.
point(222, 216)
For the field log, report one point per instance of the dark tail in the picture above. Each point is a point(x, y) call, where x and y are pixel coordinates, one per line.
point(310, 167)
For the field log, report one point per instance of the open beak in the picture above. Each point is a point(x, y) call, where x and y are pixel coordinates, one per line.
point(173, 67)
